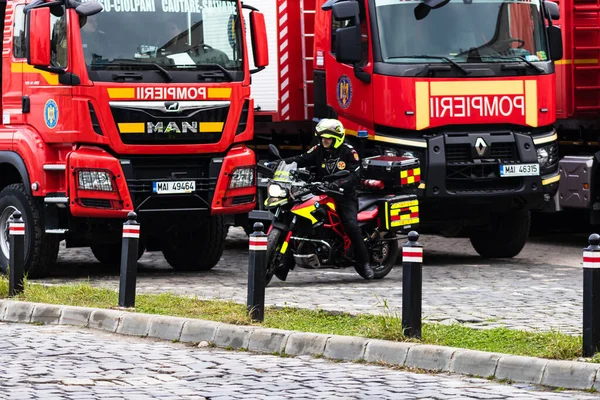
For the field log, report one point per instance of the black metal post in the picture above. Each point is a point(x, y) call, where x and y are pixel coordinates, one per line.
point(412, 262)
point(16, 233)
point(257, 260)
point(591, 296)
point(129, 258)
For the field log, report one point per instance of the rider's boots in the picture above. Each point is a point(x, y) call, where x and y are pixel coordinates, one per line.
point(368, 271)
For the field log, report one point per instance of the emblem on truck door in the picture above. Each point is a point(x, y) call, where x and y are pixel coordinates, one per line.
point(480, 146)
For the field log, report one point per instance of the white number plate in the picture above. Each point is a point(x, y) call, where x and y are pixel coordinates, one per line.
point(174, 187)
point(508, 170)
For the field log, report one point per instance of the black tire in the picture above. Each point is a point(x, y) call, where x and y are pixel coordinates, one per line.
point(384, 263)
point(110, 253)
point(41, 249)
point(200, 250)
point(506, 236)
point(273, 247)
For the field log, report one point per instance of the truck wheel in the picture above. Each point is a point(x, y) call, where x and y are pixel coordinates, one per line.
point(110, 253)
point(200, 250)
point(41, 249)
point(506, 236)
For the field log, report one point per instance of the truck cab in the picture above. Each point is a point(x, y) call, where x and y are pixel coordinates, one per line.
point(467, 87)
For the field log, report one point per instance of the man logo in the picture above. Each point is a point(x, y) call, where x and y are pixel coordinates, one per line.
point(172, 106)
point(480, 146)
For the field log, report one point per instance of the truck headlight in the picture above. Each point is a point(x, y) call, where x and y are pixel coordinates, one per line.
point(242, 177)
point(95, 180)
point(276, 191)
point(548, 158)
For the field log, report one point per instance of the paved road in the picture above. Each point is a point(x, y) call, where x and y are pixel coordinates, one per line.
point(539, 289)
point(60, 362)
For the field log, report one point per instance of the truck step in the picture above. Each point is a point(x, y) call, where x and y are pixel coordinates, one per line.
point(54, 200)
point(55, 167)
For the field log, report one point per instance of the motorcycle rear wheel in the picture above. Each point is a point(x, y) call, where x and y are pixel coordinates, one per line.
point(385, 261)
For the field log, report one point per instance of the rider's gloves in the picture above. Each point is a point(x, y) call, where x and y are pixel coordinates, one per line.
point(335, 185)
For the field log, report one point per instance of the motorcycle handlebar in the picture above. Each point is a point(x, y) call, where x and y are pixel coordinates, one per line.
point(321, 186)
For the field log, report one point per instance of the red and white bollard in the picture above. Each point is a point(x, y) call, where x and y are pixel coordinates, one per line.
point(16, 234)
point(591, 296)
point(257, 260)
point(412, 277)
point(129, 258)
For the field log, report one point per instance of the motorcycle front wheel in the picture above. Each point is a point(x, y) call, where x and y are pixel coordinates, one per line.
point(274, 242)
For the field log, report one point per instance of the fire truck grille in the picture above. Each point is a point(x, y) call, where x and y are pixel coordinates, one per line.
point(141, 173)
point(469, 172)
point(170, 122)
point(462, 152)
point(464, 177)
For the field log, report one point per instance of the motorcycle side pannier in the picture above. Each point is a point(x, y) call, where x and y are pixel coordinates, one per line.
point(395, 172)
point(398, 212)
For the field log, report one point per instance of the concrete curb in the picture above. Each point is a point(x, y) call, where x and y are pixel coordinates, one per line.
point(564, 374)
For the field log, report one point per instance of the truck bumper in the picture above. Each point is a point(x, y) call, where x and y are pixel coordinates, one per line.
point(223, 185)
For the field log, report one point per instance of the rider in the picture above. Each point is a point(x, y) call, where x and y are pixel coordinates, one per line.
point(330, 156)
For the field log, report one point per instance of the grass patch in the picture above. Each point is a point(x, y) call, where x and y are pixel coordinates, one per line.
point(553, 345)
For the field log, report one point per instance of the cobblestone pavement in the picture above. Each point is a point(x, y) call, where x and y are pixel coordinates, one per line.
point(540, 289)
point(59, 362)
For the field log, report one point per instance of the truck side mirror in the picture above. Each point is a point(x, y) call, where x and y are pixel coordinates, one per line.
point(552, 10)
point(38, 39)
point(260, 47)
point(556, 45)
point(347, 45)
point(348, 38)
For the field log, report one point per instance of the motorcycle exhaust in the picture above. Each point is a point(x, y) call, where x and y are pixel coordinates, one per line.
point(303, 259)
point(307, 261)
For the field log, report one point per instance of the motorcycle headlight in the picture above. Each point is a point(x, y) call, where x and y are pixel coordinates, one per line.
point(276, 191)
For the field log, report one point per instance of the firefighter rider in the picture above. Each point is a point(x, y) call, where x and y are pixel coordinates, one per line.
point(330, 156)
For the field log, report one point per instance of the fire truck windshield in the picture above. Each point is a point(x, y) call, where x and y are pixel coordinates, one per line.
point(164, 35)
point(462, 31)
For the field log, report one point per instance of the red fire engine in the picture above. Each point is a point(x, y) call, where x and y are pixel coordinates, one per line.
point(467, 87)
point(127, 105)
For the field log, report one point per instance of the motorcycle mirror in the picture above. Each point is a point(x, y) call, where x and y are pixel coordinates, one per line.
point(273, 149)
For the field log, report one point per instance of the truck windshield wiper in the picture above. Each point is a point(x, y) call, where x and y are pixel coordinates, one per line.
point(454, 63)
point(209, 68)
point(157, 67)
point(508, 58)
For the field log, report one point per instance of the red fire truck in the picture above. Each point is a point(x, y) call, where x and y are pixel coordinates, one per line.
point(468, 87)
point(127, 105)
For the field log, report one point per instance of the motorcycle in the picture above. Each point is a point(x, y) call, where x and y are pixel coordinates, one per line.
point(307, 232)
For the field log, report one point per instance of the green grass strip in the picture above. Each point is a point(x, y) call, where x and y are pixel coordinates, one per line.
point(552, 345)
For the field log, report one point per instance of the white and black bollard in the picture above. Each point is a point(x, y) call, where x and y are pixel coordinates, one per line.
point(412, 263)
point(129, 258)
point(16, 233)
point(257, 260)
point(591, 296)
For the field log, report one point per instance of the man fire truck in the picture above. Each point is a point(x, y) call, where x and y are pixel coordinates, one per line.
point(466, 86)
point(106, 109)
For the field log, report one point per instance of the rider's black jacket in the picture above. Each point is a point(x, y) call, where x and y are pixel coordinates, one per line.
point(328, 162)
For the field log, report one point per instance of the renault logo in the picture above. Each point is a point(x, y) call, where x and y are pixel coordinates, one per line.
point(480, 146)
point(172, 106)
